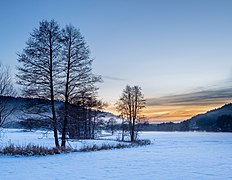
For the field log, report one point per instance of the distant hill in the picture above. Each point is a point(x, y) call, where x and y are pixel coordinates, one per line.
point(210, 121)
point(36, 109)
point(24, 108)
point(217, 120)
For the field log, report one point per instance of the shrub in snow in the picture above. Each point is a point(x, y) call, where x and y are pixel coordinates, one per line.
point(32, 150)
point(103, 147)
point(142, 142)
point(36, 150)
point(116, 146)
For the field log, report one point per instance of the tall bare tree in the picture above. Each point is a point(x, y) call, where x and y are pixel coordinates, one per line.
point(77, 71)
point(6, 89)
point(130, 105)
point(39, 65)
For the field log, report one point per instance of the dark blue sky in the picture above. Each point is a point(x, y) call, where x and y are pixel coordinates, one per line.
point(165, 46)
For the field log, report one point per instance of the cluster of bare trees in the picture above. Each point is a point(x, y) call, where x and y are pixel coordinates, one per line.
point(56, 65)
point(82, 122)
point(130, 105)
point(6, 89)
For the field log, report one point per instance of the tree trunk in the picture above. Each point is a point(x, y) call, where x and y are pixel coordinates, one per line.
point(133, 130)
point(94, 124)
point(64, 129)
point(135, 106)
point(90, 124)
point(54, 121)
point(123, 132)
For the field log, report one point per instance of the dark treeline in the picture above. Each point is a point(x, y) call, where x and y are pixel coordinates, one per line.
point(222, 124)
point(34, 114)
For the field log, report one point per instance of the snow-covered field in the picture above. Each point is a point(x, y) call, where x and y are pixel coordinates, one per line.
point(172, 155)
point(20, 137)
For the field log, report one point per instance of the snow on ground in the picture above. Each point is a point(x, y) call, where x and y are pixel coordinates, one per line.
point(21, 137)
point(172, 155)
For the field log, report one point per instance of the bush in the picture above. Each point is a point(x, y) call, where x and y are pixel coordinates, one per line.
point(32, 150)
point(142, 142)
point(36, 150)
point(103, 147)
point(94, 147)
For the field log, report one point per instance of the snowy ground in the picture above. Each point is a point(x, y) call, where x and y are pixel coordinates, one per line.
point(172, 155)
point(21, 137)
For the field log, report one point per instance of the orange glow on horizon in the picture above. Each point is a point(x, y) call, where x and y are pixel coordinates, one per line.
point(172, 113)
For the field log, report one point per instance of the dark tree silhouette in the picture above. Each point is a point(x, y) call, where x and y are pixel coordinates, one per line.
point(6, 89)
point(39, 65)
point(111, 125)
point(77, 77)
point(90, 106)
point(130, 105)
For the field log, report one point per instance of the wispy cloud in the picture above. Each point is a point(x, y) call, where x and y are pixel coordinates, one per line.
point(113, 78)
point(183, 106)
point(197, 98)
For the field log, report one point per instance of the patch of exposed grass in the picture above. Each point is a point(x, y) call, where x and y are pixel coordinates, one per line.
point(36, 150)
point(142, 142)
point(94, 147)
point(31, 150)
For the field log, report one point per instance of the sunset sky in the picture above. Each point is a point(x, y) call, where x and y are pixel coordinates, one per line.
point(178, 51)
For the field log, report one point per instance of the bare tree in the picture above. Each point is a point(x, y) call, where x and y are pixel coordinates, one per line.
point(90, 106)
point(6, 84)
point(6, 90)
point(77, 76)
point(83, 123)
point(96, 124)
point(39, 66)
point(56, 64)
point(111, 123)
point(130, 105)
